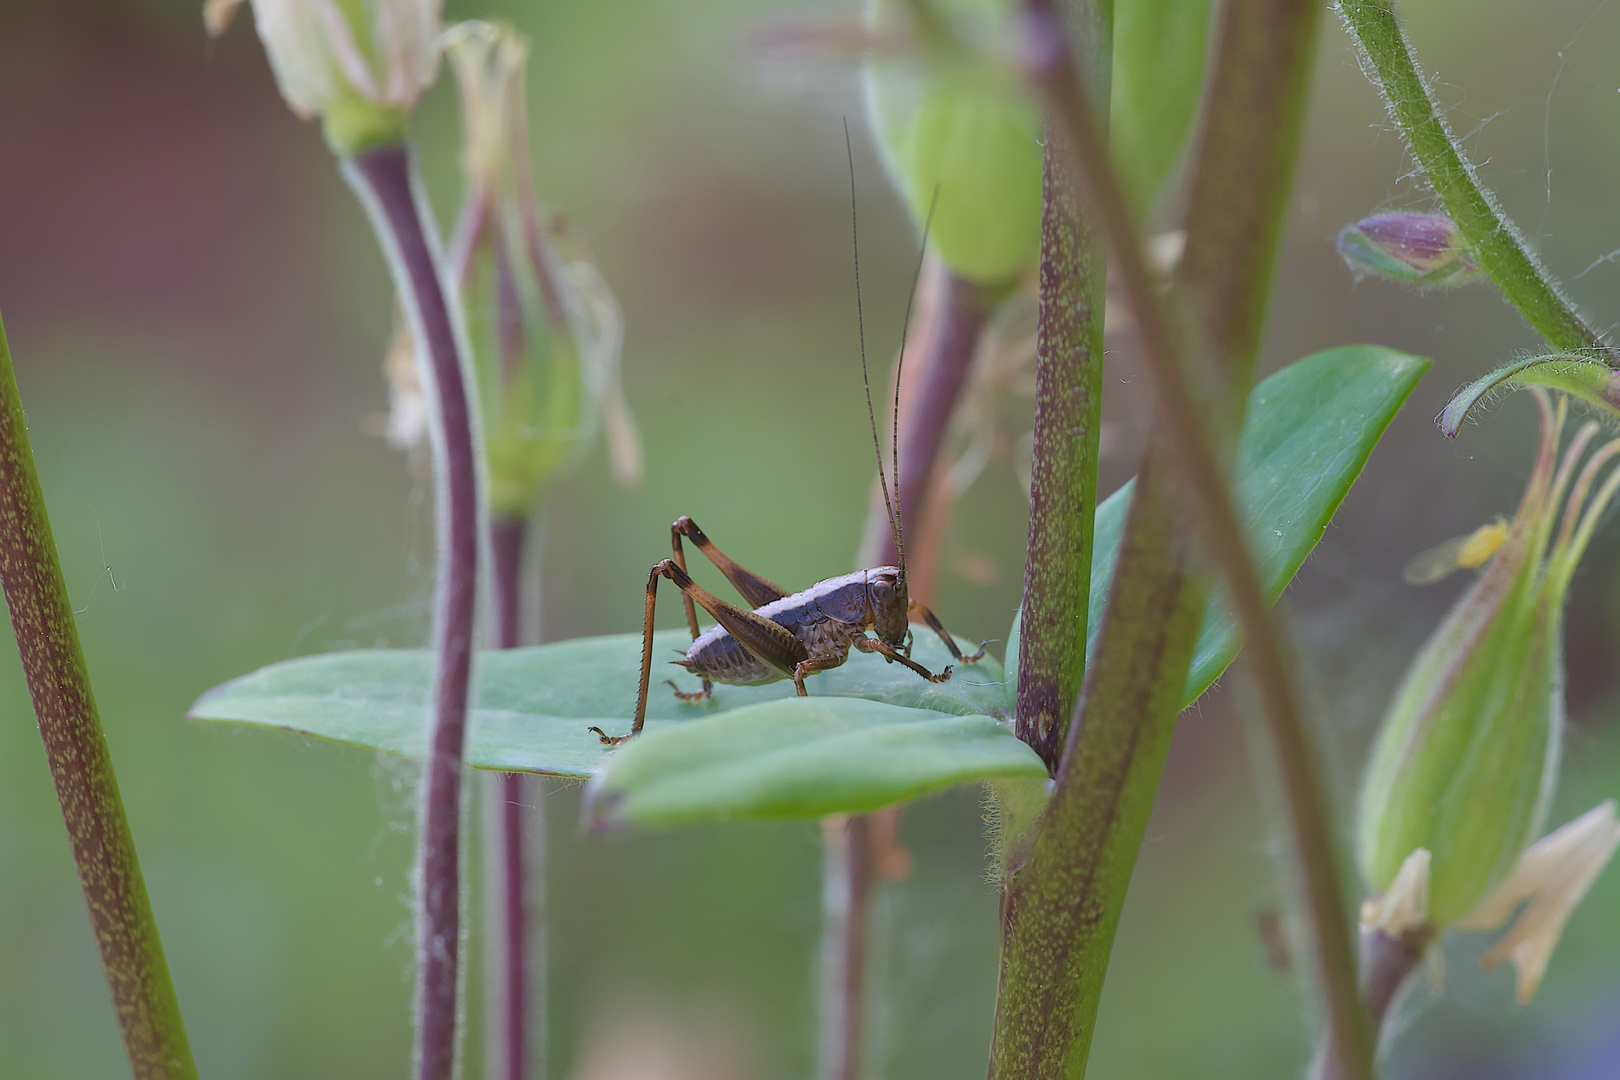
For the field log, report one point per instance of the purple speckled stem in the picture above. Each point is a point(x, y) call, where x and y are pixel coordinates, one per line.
point(386, 182)
point(58, 680)
point(506, 536)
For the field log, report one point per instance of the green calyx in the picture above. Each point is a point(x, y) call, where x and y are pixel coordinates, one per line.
point(528, 364)
point(1468, 755)
point(352, 125)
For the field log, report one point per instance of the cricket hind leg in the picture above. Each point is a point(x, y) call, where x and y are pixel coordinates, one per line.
point(773, 644)
point(757, 590)
point(939, 628)
point(895, 656)
point(661, 570)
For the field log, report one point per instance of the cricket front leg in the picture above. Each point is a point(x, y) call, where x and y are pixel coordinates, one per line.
point(939, 628)
point(805, 668)
point(894, 655)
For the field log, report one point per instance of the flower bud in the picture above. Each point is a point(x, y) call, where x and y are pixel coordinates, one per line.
point(1466, 762)
point(359, 65)
point(952, 121)
point(545, 328)
point(1422, 250)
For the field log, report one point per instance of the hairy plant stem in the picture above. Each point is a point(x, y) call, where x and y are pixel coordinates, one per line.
point(386, 182)
point(81, 763)
point(949, 331)
point(1266, 45)
point(1061, 905)
point(1496, 242)
point(1063, 471)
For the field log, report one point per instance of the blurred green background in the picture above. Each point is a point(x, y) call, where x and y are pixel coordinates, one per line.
point(198, 317)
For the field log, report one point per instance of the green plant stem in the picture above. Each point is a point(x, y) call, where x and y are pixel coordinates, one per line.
point(1063, 471)
point(1061, 906)
point(1497, 244)
point(1251, 33)
point(81, 764)
point(385, 179)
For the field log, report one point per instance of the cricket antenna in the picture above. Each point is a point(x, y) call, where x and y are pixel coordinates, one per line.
point(871, 413)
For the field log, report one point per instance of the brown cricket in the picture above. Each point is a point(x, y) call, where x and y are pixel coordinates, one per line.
point(784, 635)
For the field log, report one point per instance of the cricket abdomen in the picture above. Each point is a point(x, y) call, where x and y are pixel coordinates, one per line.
point(825, 618)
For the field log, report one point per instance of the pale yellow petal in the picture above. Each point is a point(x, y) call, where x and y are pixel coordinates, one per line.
point(1405, 904)
point(1553, 874)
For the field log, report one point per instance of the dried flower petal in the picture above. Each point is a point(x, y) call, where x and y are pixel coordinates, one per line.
point(1553, 874)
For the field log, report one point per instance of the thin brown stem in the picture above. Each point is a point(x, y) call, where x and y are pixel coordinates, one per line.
point(845, 891)
point(510, 950)
point(385, 180)
point(1050, 68)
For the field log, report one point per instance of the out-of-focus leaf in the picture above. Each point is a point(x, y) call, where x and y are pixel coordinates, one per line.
point(801, 757)
point(1307, 433)
point(1159, 48)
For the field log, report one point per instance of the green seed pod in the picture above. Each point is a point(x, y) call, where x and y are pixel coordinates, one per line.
point(1467, 759)
point(949, 119)
point(543, 326)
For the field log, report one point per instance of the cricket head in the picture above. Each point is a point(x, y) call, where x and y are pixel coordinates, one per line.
point(886, 599)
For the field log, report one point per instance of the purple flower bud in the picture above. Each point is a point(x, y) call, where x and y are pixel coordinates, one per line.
point(1424, 250)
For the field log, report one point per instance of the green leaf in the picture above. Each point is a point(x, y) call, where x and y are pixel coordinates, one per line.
point(872, 733)
point(1307, 432)
point(801, 757)
point(1159, 48)
point(532, 706)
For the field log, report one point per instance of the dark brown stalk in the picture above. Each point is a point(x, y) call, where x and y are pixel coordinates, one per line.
point(81, 764)
point(385, 180)
point(1252, 33)
point(1063, 472)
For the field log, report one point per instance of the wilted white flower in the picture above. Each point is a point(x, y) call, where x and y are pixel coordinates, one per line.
point(332, 58)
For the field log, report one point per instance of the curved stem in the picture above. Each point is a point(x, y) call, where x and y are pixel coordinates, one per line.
point(1051, 69)
point(1495, 240)
point(81, 764)
point(385, 180)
